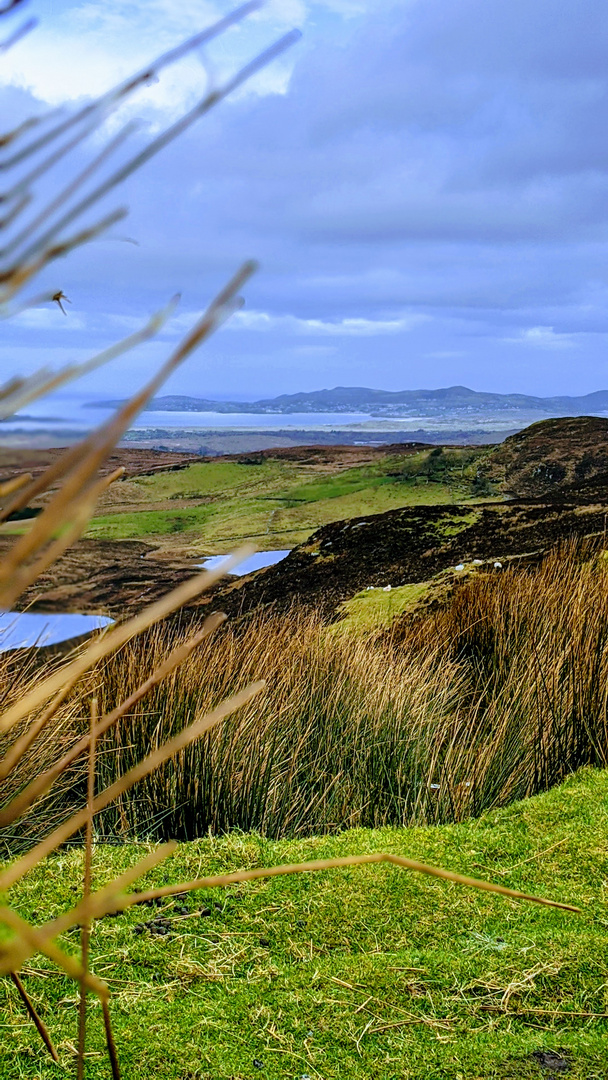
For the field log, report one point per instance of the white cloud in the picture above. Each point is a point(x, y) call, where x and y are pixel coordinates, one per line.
point(349, 327)
point(86, 48)
point(542, 337)
point(47, 319)
point(263, 322)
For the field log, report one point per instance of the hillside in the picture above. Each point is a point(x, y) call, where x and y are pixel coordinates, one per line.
point(353, 517)
point(553, 459)
point(554, 476)
point(408, 546)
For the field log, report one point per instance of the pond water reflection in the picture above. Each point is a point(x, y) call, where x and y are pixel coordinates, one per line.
point(257, 561)
point(20, 630)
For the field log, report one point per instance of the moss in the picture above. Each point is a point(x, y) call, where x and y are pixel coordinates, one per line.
point(363, 972)
point(376, 607)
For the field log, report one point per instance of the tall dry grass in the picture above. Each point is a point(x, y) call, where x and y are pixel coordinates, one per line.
point(532, 648)
point(497, 696)
point(338, 738)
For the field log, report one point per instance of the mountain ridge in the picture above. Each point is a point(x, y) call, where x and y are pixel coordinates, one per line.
point(384, 402)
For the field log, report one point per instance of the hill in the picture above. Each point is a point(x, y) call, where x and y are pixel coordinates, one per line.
point(353, 517)
point(554, 476)
point(456, 400)
point(406, 547)
point(553, 459)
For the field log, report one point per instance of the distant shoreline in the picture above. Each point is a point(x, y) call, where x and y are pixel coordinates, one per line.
point(210, 442)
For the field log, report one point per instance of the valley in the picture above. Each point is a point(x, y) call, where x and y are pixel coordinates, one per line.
point(354, 519)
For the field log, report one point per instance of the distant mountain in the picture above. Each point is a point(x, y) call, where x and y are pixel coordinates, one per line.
point(451, 400)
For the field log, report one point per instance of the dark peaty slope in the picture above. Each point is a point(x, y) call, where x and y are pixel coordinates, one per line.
point(563, 458)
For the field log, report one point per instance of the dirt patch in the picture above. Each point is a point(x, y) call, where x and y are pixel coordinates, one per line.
point(333, 457)
point(552, 1062)
point(103, 577)
point(135, 462)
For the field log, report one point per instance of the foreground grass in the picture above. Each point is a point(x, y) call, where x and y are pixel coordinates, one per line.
point(366, 973)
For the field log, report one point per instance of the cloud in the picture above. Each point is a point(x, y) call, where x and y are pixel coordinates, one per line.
point(86, 48)
point(286, 324)
point(425, 171)
point(262, 322)
point(542, 337)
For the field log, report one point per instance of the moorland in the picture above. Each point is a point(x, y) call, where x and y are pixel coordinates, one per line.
point(434, 650)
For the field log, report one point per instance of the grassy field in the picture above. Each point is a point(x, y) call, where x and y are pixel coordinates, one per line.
point(209, 507)
point(372, 608)
point(366, 973)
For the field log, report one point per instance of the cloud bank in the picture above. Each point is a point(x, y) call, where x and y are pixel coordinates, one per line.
point(425, 184)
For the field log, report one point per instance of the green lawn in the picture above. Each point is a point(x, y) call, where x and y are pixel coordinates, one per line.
point(359, 973)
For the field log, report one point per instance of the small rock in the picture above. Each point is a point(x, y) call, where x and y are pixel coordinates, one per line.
point(264, 942)
point(552, 1061)
point(387, 588)
point(257, 1064)
point(460, 566)
point(498, 566)
point(159, 926)
point(477, 562)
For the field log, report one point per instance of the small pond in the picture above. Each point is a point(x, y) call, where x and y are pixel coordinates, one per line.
point(20, 630)
point(258, 561)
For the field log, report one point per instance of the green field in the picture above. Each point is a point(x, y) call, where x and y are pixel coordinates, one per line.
point(373, 608)
point(276, 504)
point(371, 972)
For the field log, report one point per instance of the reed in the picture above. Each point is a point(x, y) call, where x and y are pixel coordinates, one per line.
point(532, 648)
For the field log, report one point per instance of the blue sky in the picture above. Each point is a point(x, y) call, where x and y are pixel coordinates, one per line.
point(424, 183)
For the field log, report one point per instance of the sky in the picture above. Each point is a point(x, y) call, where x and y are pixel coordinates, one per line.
point(424, 184)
